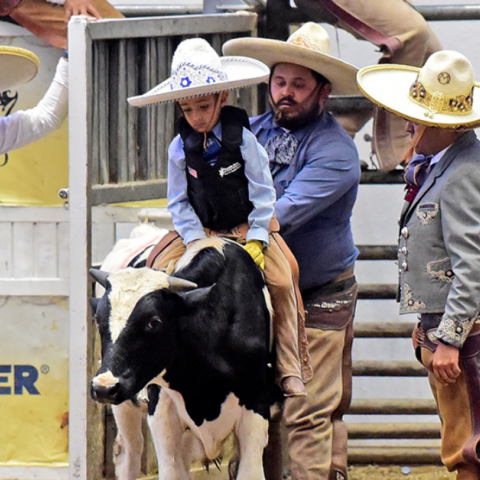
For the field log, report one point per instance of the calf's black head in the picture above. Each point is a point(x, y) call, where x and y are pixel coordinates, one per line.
point(137, 323)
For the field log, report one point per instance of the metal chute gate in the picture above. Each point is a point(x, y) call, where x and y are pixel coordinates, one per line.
point(117, 154)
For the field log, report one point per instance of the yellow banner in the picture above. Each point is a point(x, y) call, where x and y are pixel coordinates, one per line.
point(34, 381)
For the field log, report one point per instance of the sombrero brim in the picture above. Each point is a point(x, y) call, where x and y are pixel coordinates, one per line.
point(240, 71)
point(388, 86)
point(341, 74)
point(17, 66)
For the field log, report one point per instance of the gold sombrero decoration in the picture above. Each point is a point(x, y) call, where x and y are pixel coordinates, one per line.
point(17, 66)
point(440, 94)
point(309, 47)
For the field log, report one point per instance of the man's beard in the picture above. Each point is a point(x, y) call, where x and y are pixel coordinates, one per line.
point(298, 120)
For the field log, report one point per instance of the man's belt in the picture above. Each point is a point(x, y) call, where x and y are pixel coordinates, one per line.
point(339, 284)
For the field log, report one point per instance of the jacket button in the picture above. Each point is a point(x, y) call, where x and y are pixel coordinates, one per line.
point(404, 232)
point(404, 266)
point(404, 250)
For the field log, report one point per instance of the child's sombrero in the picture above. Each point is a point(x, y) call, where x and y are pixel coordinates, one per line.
point(198, 70)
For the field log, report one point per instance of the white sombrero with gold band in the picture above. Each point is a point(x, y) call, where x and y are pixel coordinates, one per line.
point(308, 47)
point(198, 70)
point(440, 94)
point(17, 66)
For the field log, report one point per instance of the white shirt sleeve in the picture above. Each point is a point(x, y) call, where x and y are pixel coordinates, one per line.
point(27, 126)
point(57, 2)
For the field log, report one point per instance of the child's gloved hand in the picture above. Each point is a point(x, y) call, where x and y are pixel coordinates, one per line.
point(255, 250)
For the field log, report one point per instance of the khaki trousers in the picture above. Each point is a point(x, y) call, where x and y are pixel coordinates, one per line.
point(47, 20)
point(280, 283)
point(392, 18)
point(459, 410)
point(317, 434)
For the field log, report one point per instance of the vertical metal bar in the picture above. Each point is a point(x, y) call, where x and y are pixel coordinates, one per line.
point(153, 110)
point(118, 84)
point(142, 125)
point(111, 79)
point(97, 140)
point(131, 112)
point(160, 119)
point(80, 333)
point(165, 118)
point(100, 171)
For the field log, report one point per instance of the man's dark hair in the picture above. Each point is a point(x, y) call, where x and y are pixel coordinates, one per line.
point(321, 80)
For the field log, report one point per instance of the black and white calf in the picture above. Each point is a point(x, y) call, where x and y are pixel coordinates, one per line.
point(201, 340)
point(129, 416)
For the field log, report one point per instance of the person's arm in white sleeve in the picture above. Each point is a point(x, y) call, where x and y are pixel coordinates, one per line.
point(27, 126)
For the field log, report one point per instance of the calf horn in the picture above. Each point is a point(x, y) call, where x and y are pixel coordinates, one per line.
point(176, 284)
point(99, 276)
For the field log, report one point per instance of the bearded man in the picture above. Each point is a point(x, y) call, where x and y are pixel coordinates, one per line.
point(316, 172)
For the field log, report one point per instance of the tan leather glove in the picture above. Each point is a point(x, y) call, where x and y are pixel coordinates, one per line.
point(255, 250)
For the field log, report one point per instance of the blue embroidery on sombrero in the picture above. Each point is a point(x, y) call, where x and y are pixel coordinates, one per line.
point(189, 75)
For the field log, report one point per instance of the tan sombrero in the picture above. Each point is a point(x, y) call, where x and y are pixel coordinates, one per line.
point(17, 66)
point(308, 47)
point(440, 94)
point(198, 70)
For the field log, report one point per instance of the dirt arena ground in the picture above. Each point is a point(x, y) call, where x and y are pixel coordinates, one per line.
point(374, 472)
point(394, 473)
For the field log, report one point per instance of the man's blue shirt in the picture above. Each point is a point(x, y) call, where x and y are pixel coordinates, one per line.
point(315, 197)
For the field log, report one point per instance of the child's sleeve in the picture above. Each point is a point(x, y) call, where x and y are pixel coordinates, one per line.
point(260, 187)
point(184, 218)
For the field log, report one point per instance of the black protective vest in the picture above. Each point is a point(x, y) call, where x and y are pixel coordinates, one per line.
point(218, 193)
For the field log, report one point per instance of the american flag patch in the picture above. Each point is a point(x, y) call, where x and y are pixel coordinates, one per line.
point(192, 172)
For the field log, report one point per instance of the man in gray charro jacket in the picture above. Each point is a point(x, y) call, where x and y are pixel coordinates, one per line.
point(439, 248)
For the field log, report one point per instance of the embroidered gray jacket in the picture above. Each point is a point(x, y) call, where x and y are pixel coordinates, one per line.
point(439, 243)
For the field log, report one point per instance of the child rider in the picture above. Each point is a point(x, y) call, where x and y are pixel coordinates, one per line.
point(219, 182)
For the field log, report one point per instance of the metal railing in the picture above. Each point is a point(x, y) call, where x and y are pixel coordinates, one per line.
point(429, 12)
point(128, 145)
point(367, 431)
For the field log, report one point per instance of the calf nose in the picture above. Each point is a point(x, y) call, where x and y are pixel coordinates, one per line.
point(104, 394)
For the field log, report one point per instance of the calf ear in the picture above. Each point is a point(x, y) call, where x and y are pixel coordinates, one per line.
point(197, 295)
point(99, 276)
point(93, 303)
point(178, 285)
